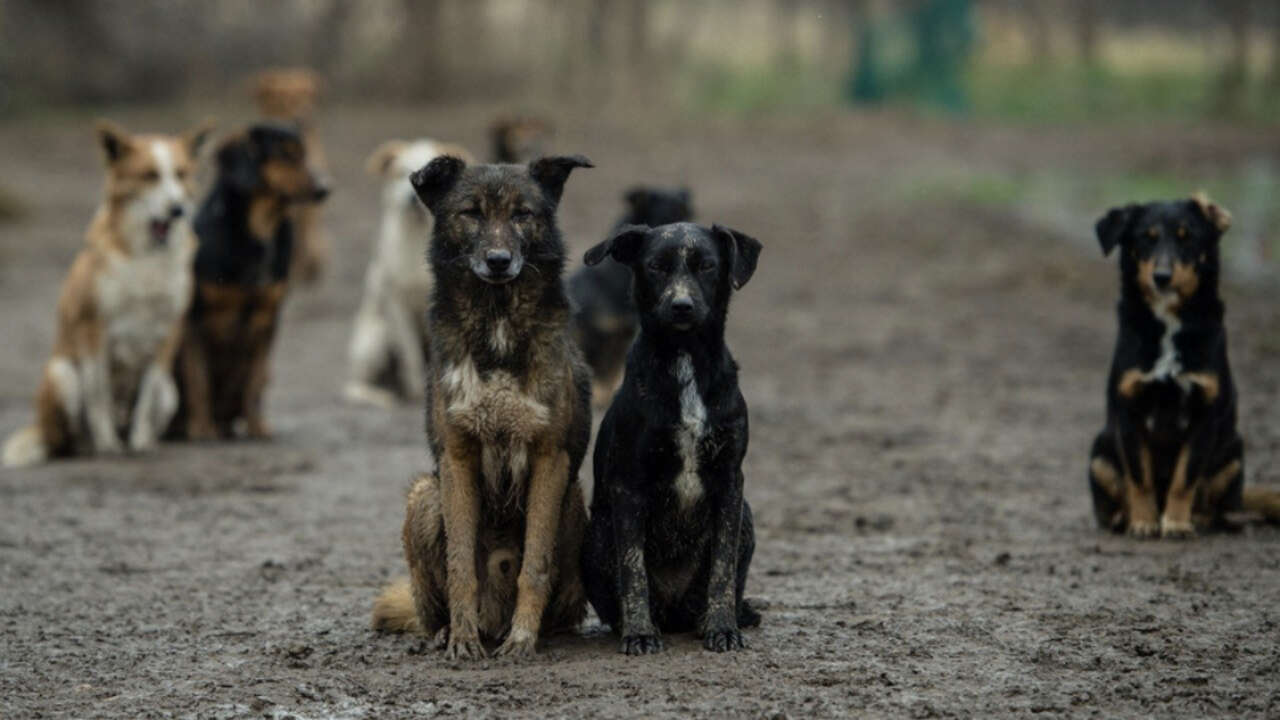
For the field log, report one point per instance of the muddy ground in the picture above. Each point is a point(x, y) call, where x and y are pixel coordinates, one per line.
point(924, 379)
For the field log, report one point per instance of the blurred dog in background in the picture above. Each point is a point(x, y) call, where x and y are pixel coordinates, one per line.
point(604, 313)
point(109, 381)
point(519, 139)
point(241, 278)
point(389, 341)
point(289, 95)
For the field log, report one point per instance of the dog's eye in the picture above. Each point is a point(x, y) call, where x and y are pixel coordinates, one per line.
point(521, 214)
point(657, 266)
point(182, 174)
point(151, 175)
point(706, 265)
point(472, 213)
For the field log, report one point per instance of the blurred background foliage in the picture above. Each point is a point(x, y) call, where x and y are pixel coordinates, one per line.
point(1035, 61)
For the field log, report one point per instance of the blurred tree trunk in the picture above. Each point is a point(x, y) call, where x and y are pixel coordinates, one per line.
point(324, 51)
point(1039, 30)
point(1232, 82)
point(420, 72)
point(1087, 31)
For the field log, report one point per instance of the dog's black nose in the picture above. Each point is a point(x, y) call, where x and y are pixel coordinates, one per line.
point(321, 192)
point(498, 260)
point(176, 211)
point(682, 306)
point(1162, 278)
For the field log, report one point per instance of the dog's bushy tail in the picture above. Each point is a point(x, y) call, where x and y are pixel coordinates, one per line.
point(1264, 502)
point(393, 611)
point(25, 447)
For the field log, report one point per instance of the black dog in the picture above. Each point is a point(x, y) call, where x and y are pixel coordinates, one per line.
point(671, 537)
point(604, 315)
point(241, 270)
point(1170, 457)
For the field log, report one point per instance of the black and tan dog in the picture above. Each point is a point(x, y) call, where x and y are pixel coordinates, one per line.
point(1169, 459)
point(492, 539)
point(241, 270)
point(671, 536)
point(604, 315)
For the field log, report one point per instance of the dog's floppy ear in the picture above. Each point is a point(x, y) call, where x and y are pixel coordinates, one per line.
point(742, 251)
point(196, 137)
point(1112, 227)
point(114, 139)
point(624, 246)
point(238, 163)
point(551, 172)
point(434, 179)
point(1217, 215)
point(380, 160)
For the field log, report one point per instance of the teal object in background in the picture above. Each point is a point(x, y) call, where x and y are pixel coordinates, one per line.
point(918, 54)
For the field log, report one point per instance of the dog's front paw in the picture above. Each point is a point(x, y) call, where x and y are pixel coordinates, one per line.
point(108, 445)
point(257, 429)
point(1176, 529)
point(520, 643)
point(1143, 529)
point(142, 437)
point(440, 640)
point(723, 640)
point(641, 644)
point(464, 648)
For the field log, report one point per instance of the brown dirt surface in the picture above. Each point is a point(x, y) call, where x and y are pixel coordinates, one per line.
point(924, 379)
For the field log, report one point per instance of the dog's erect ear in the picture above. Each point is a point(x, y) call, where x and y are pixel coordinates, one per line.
point(624, 246)
point(379, 162)
point(1217, 215)
point(636, 198)
point(434, 179)
point(238, 163)
point(551, 172)
point(196, 137)
point(456, 151)
point(114, 139)
point(742, 251)
point(1112, 227)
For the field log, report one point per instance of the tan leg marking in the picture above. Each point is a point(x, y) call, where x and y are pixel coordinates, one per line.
point(1131, 382)
point(1140, 499)
point(1176, 520)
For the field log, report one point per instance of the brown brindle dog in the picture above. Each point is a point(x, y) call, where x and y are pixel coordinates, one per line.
point(289, 95)
point(492, 539)
point(241, 268)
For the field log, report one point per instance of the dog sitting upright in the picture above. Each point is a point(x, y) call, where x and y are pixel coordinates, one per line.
point(289, 96)
point(388, 344)
point(671, 536)
point(492, 539)
point(1170, 458)
point(109, 380)
point(241, 270)
point(604, 315)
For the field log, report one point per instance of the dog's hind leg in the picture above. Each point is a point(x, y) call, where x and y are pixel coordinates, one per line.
point(600, 565)
point(407, 344)
point(1222, 490)
point(424, 550)
point(568, 603)
point(1106, 483)
point(369, 356)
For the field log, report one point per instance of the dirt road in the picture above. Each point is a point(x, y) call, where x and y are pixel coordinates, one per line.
point(924, 378)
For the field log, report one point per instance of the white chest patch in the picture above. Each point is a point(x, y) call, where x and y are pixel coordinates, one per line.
point(1167, 365)
point(689, 433)
point(500, 338)
point(494, 407)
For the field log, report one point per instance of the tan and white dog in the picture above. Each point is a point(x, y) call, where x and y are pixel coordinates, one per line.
point(388, 345)
point(109, 381)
